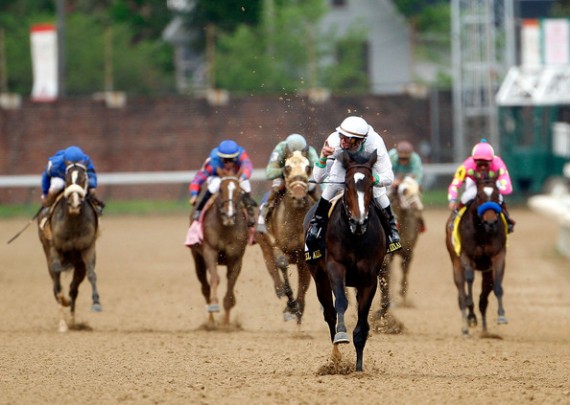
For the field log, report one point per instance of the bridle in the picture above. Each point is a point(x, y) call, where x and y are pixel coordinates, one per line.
point(357, 226)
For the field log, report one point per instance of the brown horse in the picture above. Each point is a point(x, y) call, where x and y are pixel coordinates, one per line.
point(283, 243)
point(355, 249)
point(68, 239)
point(407, 205)
point(479, 244)
point(225, 237)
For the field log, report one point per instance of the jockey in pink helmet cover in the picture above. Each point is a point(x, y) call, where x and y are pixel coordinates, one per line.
point(482, 161)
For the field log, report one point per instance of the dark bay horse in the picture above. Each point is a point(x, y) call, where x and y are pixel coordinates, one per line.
point(479, 244)
point(225, 238)
point(355, 249)
point(68, 239)
point(283, 243)
point(407, 206)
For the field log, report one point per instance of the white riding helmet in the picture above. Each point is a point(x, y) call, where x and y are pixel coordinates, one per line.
point(353, 127)
point(296, 142)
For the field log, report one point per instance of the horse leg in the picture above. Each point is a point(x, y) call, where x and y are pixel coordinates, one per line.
point(499, 266)
point(336, 274)
point(270, 262)
point(201, 273)
point(60, 299)
point(324, 294)
point(384, 281)
point(303, 286)
point(406, 261)
point(92, 277)
point(292, 306)
point(469, 278)
point(234, 268)
point(459, 279)
point(364, 296)
point(78, 277)
point(486, 287)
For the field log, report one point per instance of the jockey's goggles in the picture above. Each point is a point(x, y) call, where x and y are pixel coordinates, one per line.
point(351, 140)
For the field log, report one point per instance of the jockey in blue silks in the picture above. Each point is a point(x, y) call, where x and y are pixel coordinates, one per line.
point(53, 176)
point(228, 158)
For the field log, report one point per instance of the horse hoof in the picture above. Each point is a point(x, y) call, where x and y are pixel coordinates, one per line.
point(502, 320)
point(96, 308)
point(288, 316)
point(341, 337)
point(214, 308)
point(63, 326)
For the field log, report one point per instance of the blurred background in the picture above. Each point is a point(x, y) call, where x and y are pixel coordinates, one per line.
point(148, 87)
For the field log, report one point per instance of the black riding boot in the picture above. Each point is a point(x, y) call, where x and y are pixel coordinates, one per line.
point(318, 224)
point(200, 205)
point(391, 229)
point(250, 205)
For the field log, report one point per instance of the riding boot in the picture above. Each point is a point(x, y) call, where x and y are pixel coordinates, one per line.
point(265, 211)
point(393, 242)
point(200, 205)
point(98, 204)
point(47, 202)
point(510, 222)
point(250, 205)
point(318, 224)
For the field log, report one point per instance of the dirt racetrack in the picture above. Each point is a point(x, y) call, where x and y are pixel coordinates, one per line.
point(148, 346)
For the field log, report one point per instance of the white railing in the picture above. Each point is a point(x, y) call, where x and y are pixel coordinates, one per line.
point(180, 177)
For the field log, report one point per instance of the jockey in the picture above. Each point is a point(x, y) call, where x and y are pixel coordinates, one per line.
point(406, 162)
point(227, 159)
point(482, 161)
point(355, 135)
point(53, 177)
point(274, 172)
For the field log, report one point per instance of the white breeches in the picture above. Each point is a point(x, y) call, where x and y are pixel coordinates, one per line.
point(56, 184)
point(471, 192)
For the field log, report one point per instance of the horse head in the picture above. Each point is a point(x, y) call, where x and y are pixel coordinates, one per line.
point(76, 184)
point(488, 204)
point(358, 189)
point(229, 200)
point(408, 194)
point(296, 173)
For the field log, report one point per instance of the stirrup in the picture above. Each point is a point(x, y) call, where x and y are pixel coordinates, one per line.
point(391, 247)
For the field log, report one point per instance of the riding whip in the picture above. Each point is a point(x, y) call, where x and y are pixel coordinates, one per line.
point(25, 227)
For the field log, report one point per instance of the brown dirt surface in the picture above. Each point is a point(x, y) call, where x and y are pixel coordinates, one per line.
point(148, 346)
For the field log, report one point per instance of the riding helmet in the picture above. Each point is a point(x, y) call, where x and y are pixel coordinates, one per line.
point(353, 127)
point(296, 142)
point(228, 149)
point(73, 154)
point(404, 149)
point(483, 151)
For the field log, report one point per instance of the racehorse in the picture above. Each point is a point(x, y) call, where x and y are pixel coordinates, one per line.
point(479, 244)
point(225, 237)
point(407, 205)
point(355, 248)
point(68, 238)
point(283, 243)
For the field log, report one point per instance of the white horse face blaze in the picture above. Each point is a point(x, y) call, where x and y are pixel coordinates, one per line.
point(361, 207)
point(231, 190)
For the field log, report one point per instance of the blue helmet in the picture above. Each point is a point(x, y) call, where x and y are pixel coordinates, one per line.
point(228, 149)
point(73, 154)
